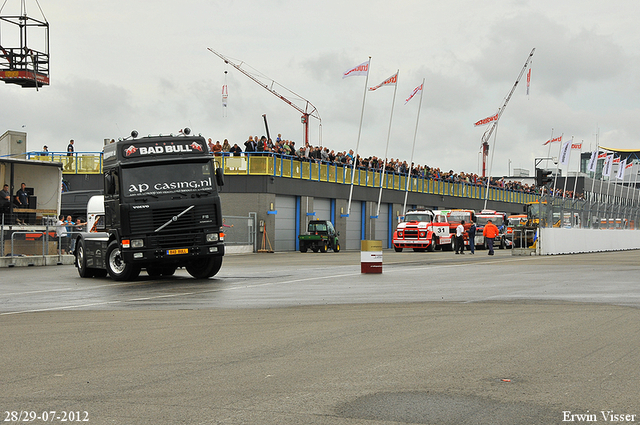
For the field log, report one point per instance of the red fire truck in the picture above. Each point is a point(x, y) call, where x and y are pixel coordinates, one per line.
point(455, 217)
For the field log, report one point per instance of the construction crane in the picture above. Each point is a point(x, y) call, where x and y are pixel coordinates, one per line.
point(487, 134)
point(307, 109)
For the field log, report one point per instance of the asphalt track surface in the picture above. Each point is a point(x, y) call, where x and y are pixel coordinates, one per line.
point(292, 338)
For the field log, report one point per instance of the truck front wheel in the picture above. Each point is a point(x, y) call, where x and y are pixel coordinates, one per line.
point(204, 268)
point(117, 268)
point(81, 261)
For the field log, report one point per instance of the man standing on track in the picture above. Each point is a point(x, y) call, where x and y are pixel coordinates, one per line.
point(460, 238)
point(490, 232)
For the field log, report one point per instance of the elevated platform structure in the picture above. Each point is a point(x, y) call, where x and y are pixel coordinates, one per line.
point(24, 48)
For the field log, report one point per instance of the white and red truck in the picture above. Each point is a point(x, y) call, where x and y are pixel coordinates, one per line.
point(423, 230)
point(499, 219)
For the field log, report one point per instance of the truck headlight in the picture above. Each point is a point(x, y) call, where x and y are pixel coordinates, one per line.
point(423, 234)
point(213, 237)
point(400, 233)
point(137, 243)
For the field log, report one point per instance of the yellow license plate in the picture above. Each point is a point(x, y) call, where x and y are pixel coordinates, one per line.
point(177, 251)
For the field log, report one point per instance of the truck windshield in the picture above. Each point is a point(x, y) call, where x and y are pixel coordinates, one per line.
point(419, 217)
point(498, 221)
point(459, 216)
point(154, 180)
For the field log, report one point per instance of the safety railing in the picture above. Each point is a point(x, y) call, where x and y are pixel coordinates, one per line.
point(269, 164)
point(76, 163)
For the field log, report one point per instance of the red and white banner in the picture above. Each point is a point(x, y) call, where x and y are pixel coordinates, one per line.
point(616, 160)
point(528, 80)
point(603, 155)
point(413, 93)
point(391, 81)
point(557, 139)
point(576, 145)
point(487, 120)
point(362, 69)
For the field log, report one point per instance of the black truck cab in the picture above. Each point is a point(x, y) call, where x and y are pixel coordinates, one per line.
point(161, 210)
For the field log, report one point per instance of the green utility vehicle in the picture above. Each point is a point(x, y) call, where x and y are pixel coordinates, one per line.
point(321, 236)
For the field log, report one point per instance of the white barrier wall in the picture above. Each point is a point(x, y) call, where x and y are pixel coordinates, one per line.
point(569, 241)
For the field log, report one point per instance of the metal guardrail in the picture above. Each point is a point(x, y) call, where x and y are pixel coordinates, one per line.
point(45, 242)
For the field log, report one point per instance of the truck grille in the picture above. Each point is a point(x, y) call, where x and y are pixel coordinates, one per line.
point(148, 220)
point(177, 240)
point(411, 233)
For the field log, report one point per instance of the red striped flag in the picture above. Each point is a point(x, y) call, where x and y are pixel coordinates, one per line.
point(557, 139)
point(413, 93)
point(487, 120)
point(391, 81)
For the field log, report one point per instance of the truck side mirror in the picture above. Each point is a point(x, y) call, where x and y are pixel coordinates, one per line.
point(219, 177)
point(110, 184)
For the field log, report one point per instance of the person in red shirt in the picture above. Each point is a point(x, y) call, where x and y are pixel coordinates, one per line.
point(490, 232)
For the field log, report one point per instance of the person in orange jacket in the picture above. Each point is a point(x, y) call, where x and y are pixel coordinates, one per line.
point(490, 232)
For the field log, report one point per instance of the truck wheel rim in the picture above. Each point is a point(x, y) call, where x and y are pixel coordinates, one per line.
point(115, 261)
point(80, 258)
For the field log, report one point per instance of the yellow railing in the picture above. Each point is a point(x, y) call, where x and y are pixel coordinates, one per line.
point(78, 163)
point(271, 165)
point(292, 168)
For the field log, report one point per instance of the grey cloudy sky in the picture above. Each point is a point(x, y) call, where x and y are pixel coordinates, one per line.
point(122, 65)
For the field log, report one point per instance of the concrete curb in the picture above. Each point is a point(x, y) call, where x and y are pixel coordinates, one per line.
point(32, 260)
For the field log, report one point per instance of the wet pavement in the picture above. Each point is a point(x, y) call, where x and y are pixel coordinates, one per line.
point(306, 338)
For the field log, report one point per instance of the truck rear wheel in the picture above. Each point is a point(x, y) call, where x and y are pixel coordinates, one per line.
point(204, 268)
point(336, 248)
point(397, 249)
point(117, 268)
point(324, 246)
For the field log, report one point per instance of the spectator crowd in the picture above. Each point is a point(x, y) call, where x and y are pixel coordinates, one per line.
point(319, 154)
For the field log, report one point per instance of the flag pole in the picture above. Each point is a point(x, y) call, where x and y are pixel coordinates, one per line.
point(549, 150)
point(613, 197)
point(355, 159)
point(608, 187)
point(495, 135)
point(575, 180)
point(555, 178)
point(593, 181)
point(386, 150)
point(415, 134)
point(604, 164)
point(564, 187)
point(635, 189)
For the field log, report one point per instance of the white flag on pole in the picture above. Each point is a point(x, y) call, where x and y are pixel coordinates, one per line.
point(593, 161)
point(565, 152)
point(608, 162)
point(621, 169)
point(362, 70)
